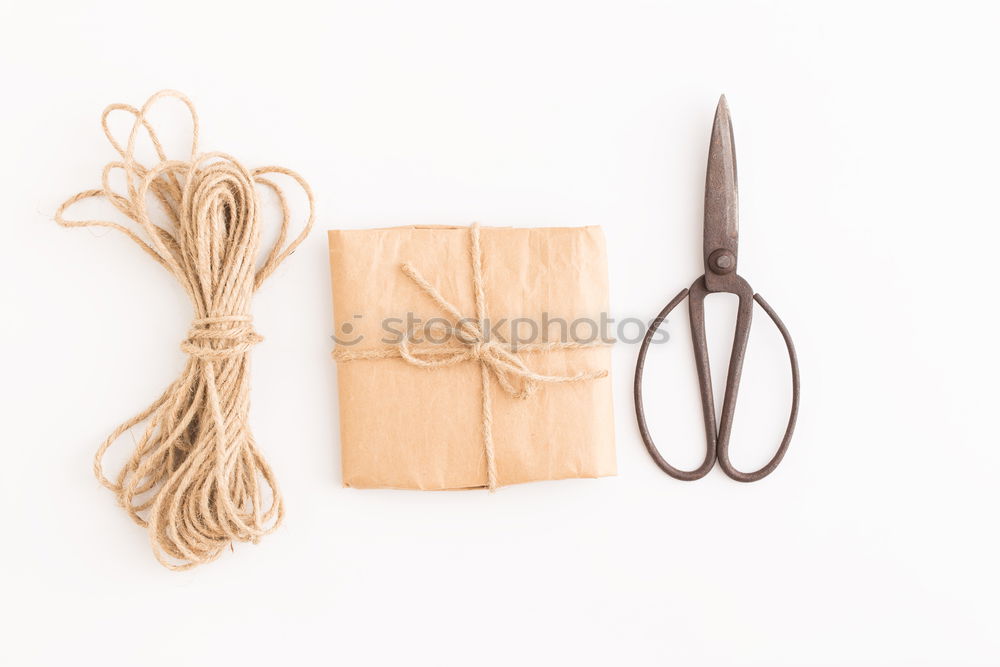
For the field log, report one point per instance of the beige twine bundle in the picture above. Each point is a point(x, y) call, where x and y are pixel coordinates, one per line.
point(497, 359)
point(194, 478)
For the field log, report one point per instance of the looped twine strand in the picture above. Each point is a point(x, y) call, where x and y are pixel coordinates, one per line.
point(497, 359)
point(194, 478)
point(218, 338)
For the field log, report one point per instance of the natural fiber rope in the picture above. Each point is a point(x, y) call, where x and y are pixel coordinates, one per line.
point(194, 477)
point(497, 359)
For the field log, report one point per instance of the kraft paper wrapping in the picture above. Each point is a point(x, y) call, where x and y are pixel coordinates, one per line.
point(408, 427)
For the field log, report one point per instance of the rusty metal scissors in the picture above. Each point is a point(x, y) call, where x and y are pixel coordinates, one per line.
point(721, 241)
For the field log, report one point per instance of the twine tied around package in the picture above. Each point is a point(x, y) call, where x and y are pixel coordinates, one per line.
point(497, 359)
point(194, 478)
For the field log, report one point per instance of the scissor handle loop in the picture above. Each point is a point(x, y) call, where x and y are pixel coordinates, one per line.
point(677, 473)
point(723, 447)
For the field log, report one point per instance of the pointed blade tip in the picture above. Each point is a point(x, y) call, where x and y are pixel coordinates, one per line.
point(722, 109)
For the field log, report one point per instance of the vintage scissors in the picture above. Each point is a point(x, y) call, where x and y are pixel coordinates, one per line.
point(721, 241)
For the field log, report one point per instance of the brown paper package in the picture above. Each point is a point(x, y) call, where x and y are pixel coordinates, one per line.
point(407, 427)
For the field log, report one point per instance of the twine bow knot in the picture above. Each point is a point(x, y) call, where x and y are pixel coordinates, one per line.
point(497, 358)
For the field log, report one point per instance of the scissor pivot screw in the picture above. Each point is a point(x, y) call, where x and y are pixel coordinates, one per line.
point(722, 261)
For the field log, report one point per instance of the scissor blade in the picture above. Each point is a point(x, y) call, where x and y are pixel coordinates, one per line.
point(721, 196)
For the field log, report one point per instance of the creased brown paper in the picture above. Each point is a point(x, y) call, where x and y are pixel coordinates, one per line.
point(403, 426)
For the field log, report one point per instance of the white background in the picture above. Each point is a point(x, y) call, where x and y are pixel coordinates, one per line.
point(868, 146)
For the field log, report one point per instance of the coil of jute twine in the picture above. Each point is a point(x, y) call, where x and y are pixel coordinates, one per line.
point(497, 359)
point(196, 478)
